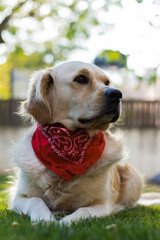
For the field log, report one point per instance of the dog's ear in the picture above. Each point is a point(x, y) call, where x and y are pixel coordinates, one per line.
point(40, 98)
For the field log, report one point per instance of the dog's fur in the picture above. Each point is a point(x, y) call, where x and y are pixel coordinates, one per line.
point(107, 186)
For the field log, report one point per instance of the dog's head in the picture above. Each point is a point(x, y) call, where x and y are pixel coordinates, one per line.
point(76, 94)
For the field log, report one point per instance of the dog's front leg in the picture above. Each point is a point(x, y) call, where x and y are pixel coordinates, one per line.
point(34, 207)
point(86, 212)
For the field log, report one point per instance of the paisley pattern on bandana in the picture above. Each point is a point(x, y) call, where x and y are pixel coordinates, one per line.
point(69, 145)
point(66, 152)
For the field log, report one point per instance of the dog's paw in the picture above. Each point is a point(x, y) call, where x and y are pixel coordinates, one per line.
point(39, 211)
point(81, 213)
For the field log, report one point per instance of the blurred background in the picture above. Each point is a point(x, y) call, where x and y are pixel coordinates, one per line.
point(120, 36)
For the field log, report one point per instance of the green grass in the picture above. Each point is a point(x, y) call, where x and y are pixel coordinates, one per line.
point(133, 224)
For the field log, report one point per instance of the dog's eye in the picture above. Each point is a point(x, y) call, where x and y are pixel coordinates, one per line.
point(81, 79)
point(107, 83)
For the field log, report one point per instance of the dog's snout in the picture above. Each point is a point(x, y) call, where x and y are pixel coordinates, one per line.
point(113, 94)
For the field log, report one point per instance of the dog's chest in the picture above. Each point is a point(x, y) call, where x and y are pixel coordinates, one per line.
point(61, 195)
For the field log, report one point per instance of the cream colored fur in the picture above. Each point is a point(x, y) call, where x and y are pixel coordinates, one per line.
point(107, 186)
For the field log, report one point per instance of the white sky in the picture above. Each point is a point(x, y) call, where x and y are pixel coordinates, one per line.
point(132, 35)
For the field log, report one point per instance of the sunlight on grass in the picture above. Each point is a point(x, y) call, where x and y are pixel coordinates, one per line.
point(3, 193)
point(151, 188)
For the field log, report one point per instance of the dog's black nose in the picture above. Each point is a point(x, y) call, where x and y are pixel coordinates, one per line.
point(113, 94)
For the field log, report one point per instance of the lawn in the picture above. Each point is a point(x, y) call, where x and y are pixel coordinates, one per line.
point(137, 223)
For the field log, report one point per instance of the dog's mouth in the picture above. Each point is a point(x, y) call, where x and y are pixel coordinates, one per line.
point(109, 116)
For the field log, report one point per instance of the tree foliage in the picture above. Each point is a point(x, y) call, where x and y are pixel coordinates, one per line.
point(111, 57)
point(5, 86)
point(23, 25)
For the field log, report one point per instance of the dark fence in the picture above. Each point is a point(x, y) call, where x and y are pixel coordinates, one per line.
point(138, 114)
point(141, 114)
point(8, 113)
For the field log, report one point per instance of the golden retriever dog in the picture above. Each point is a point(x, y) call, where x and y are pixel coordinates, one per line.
point(89, 180)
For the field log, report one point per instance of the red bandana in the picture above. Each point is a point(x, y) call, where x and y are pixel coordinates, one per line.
point(66, 152)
